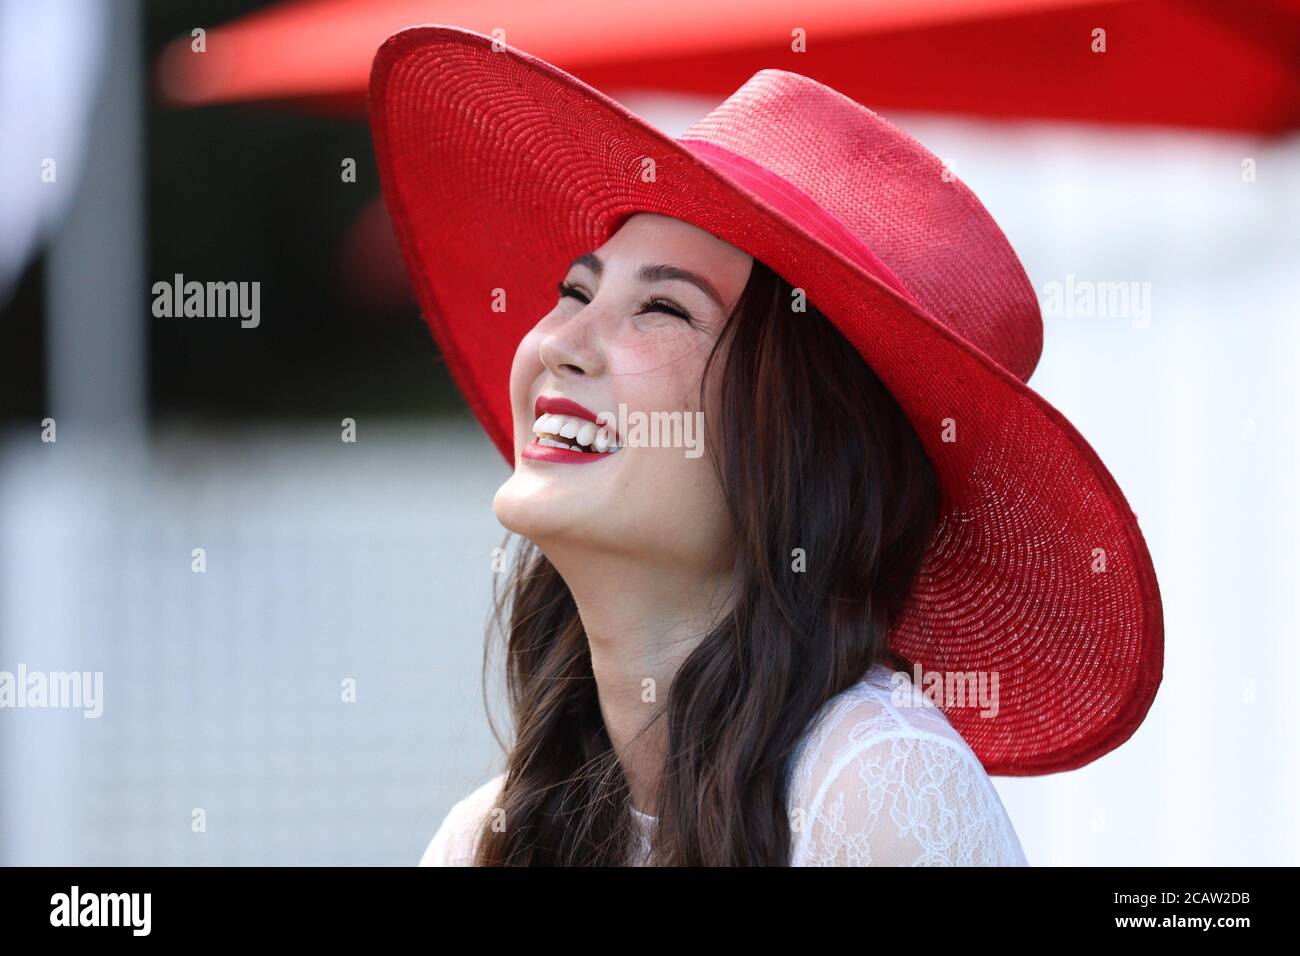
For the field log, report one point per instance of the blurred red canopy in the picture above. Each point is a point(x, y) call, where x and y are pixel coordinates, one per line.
point(1190, 63)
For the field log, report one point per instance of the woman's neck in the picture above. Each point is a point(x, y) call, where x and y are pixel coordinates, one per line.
point(642, 620)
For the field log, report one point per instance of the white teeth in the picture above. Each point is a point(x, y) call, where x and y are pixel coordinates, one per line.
point(584, 435)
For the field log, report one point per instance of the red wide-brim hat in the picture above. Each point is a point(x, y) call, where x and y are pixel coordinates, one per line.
point(499, 169)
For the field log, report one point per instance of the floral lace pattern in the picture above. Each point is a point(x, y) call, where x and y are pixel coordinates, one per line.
point(881, 779)
point(884, 781)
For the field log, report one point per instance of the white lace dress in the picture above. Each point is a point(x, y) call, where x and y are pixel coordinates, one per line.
point(881, 779)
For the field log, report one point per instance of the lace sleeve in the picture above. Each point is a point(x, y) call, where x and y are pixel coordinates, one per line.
point(878, 790)
point(456, 840)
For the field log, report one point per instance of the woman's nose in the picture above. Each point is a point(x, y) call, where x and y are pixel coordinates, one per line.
point(575, 346)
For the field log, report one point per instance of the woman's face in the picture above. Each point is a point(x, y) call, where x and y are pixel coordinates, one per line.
point(626, 344)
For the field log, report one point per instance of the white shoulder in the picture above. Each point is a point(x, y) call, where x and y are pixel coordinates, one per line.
point(456, 840)
point(883, 779)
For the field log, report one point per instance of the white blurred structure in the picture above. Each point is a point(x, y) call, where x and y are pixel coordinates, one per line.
point(372, 561)
point(224, 690)
point(51, 63)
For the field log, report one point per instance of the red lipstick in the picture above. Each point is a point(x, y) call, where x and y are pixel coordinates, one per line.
point(558, 405)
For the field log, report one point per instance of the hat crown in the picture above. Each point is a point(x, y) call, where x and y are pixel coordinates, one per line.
point(896, 197)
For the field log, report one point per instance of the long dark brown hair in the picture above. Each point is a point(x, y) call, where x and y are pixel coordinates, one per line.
point(812, 453)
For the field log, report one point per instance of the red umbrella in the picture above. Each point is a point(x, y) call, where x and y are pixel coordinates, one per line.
point(1191, 63)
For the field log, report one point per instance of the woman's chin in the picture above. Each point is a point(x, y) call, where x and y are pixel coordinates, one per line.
point(555, 522)
point(526, 505)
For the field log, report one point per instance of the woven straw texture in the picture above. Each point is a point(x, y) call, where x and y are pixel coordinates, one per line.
point(499, 169)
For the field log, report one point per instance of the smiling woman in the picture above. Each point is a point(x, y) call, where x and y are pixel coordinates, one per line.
point(661, 601)
point(707, 654)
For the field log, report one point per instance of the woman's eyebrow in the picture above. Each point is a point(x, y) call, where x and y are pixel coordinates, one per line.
point(591, 261)
point(655, 273)
point(664, 273)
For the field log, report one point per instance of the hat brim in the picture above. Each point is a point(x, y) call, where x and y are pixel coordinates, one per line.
point(498, 169)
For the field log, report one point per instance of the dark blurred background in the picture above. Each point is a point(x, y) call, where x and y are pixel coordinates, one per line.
point(239, 192)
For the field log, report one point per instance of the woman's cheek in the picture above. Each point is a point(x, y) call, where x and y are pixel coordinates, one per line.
point(523, 372)
point(660, 353)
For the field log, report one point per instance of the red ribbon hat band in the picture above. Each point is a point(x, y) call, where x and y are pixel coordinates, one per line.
point(499, 169)
point(798, 206)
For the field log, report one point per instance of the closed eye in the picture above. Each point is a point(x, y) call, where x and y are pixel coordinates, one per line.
point(572, 291)
point(650, 305)
point(663, 305)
